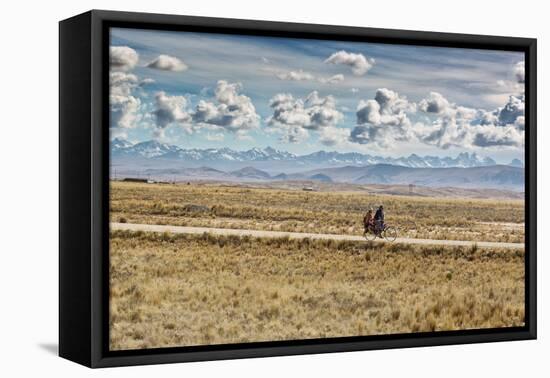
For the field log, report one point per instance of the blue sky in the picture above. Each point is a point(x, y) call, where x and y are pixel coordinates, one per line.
point(209, 90)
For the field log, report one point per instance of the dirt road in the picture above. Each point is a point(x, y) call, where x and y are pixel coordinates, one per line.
point(300, 235)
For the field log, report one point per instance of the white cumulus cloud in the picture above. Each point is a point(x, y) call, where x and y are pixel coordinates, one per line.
point(171, 110)
point(459, 126)
point(124, 112)
point(435, 103)
point(122, 58)
point(334, 136)
point(230, 111)
point(383, 120)
point(294, 117)
point(124, 105)
point(386, 119)
point(168, 63)
point(519, 71)
point(359, 63)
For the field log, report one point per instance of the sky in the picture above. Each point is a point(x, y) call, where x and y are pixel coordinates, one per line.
point(202, 90)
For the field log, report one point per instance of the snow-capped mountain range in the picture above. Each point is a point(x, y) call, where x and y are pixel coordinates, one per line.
point(152, 149)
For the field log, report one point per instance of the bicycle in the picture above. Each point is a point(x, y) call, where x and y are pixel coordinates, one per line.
point(388, 233)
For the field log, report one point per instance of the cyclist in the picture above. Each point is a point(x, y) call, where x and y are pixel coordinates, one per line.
point(379, 220)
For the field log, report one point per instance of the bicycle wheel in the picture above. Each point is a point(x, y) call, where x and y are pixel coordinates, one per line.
point(370, 235)
point(390, 234)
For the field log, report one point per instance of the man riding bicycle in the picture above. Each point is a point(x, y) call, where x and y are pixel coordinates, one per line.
point(379, 220)
point(375, 226)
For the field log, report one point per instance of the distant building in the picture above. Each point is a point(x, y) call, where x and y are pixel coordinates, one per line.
point(411, 188)
point(308, 189)
point(136, 179)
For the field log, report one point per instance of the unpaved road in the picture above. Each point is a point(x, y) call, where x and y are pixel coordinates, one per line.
point(300, 235)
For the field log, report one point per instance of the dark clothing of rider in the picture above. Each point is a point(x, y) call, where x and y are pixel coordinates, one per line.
point(379, 220)
point(379, 216)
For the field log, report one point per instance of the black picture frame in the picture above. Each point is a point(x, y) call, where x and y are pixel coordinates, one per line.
point(84, 188)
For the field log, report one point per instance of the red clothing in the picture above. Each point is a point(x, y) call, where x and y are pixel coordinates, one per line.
point(368, 220)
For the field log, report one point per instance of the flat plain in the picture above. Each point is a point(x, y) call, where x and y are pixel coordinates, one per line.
point(331, 212)
point(179, 289)
point(171, 289)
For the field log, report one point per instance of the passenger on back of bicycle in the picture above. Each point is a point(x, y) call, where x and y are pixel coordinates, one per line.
point(379, 220)
point(368, 221)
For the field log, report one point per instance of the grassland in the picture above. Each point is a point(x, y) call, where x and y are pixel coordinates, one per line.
point(174, 290)
point(340, 212)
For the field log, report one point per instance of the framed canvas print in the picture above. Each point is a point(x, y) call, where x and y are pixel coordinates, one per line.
point(233, 188)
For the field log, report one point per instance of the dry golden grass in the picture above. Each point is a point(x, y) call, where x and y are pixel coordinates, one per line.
point(176, 290)
point(319, 212)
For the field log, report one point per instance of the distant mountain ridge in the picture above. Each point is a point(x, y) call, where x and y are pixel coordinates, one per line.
point(493, 177)
point(152, 149)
